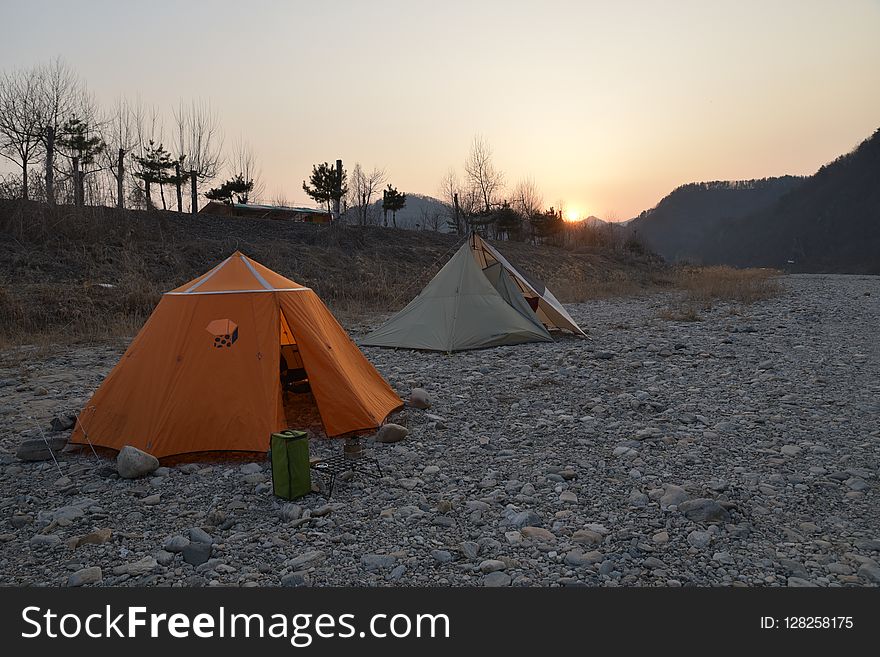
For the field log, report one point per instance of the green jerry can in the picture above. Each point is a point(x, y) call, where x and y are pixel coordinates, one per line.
point(291, 477)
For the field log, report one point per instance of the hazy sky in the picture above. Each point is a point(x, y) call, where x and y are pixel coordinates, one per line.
point(607, 106)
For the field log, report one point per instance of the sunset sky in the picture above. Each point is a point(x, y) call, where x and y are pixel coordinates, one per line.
point(607, 106)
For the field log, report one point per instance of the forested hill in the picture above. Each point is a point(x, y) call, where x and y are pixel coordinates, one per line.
point(685, 224)
point(830, 223)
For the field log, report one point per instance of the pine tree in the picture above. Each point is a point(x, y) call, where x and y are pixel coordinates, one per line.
point(77, 140)
point(508, 222)
point(547, 224)
point(233, 190)
point(82, 147)
point(326, 185)
point(392, 201)
point(155, 167)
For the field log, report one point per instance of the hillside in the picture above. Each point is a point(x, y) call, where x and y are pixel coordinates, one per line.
point(101, 271)
point(827, 222)
point(420, 211)
point(684, 226)
point(830, 223)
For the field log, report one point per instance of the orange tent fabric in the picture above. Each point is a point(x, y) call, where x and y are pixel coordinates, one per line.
point(202, 374)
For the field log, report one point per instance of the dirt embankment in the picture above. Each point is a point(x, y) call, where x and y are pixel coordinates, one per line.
point(97, 272)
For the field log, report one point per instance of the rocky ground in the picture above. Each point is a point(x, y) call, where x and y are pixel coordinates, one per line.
point(738, 450)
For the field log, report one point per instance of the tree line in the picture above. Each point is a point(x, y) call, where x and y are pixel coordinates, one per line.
point(69, 149)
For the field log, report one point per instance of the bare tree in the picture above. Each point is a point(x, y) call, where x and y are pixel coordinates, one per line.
point(61, 96)
point(149, 129)
point(20, 140)
point(199, 139)
point(119, 131)
point(528, 201)
point(243, 162)
point(364, 186)
point(482, 174)
point(432, 218)
point(468, 199)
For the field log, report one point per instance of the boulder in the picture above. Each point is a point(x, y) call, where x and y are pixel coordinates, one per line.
point(391, 433)
point(673, 495)
point(145, 565)
point(175, 544)
point(377, 561)
point(37, 449)
point(84, 576)
point(587, 537)
point(520, 519)
point(418, 398)
point(63, 422)
point(538, 534)
point(199, 535)
point(699, 539)
point(492, 565)
point(196, 553)
point(296, 579)
point(496, 579)
point(132, 463)
point(704, 510)
point(96, 537)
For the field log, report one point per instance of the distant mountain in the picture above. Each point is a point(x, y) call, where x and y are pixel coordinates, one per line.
point(421, 212)
point(830, 223)
point(684, 224)
point(827, 222)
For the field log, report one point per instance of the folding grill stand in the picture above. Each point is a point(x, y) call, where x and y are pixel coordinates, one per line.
point(339, 463)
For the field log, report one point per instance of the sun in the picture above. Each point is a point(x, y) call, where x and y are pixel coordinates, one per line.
point(572, 214)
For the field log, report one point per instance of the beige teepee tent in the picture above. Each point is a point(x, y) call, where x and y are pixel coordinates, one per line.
point(478, 299)
point(546, 306)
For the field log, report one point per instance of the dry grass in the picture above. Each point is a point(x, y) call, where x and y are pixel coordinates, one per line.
point(682, 313)
point(55, 264)
point(704, 285)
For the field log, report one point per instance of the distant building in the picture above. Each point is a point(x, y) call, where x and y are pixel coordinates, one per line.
point(256, 211)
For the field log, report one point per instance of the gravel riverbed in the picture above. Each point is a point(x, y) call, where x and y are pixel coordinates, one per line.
point(739, 450)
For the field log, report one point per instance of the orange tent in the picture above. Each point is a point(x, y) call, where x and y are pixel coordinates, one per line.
point(203, 373)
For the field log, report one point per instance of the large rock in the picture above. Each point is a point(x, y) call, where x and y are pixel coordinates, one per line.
point(704, 510)
point(418, 398)
point(199, 535)
point(132, 463)
point(84, 576)
point(37, 449)
point(297, 579)
point(378, 561)
point(520, 519)
point(141, 567)
point(578, 557)
point(391, 433)
point(699, 539)
point(306, 560)
point(196, 553)
point(870, 571)
point(587, 537)
point(538, 534)
point(96, 537)
point(44, 541)
point(63, 422)
point(491, 565)
point(496, 579)
point(673, 495)
point(175, 543)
